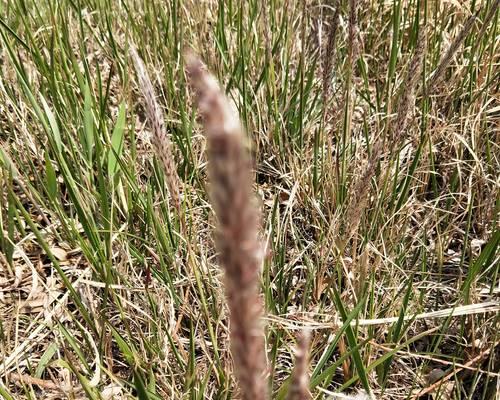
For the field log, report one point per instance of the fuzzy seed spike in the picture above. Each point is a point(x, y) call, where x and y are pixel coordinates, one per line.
point(161, 141)
point(237, 238)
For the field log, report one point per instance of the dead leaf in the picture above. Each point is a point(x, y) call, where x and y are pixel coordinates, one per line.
point(59, 253)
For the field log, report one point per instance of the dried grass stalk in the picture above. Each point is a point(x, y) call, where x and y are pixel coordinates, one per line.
point(299, 385)
point(237, 237)
point(353, 32)
point(267, 33)
point(486, 23)
point(330, 52)
point(407, 102)
point(161, 141)
point(450, 53)
point(397, 130)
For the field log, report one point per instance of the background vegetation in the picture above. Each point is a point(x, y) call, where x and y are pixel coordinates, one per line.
point(374, 130)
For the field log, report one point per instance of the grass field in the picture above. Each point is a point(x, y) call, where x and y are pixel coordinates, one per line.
point(373, 127)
